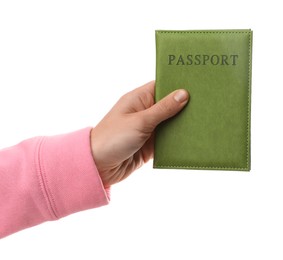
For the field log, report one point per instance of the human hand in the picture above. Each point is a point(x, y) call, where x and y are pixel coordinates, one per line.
point(123, 140)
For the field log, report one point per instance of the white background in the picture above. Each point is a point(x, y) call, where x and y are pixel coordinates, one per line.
point(63, 64)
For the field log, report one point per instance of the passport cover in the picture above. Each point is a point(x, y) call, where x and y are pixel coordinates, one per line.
point(213, 131)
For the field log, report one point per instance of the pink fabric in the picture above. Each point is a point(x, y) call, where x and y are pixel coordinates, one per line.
point(46, 178)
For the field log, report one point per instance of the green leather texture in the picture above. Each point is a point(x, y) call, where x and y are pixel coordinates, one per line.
point(213, 131)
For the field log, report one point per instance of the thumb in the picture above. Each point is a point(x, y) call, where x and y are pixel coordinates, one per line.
point(167, 107)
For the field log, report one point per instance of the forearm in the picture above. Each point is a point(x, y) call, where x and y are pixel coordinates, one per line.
point(46, 178)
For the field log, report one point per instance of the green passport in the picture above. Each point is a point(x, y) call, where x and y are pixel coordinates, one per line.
point(213, 131)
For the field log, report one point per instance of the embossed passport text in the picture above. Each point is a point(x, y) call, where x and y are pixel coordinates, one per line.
point(213, 130)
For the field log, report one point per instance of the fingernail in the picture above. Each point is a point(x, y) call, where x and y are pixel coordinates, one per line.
point(181, 96)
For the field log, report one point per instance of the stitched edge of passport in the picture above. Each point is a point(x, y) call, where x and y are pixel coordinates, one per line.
point(199, 167)
point(205, 31)
point(249, 32)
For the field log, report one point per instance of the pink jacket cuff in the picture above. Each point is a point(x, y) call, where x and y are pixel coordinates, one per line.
point(67, 174)
point(47, 178)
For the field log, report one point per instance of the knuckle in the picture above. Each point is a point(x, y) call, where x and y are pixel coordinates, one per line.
point(145, 122)
point(166, 107)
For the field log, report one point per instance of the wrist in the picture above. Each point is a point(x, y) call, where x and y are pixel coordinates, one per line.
point(94, 143)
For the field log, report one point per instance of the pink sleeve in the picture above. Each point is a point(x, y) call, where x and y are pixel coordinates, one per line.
point(47, 178)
